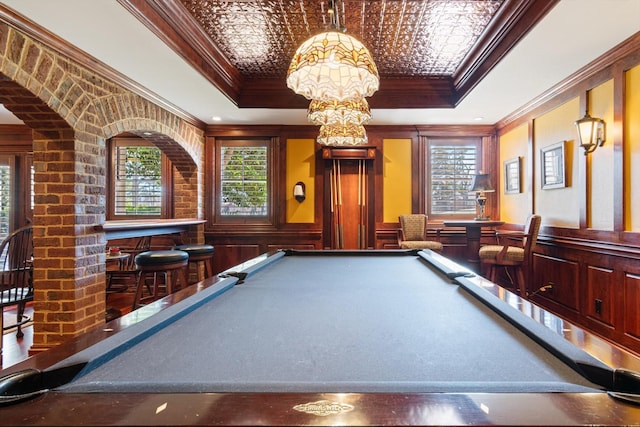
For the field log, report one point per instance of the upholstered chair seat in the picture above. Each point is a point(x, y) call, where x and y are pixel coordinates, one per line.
point(421, 244)
point(513, 254)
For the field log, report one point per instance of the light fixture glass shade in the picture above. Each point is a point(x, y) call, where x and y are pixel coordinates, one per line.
point(299, 192)
point(481, 182)
point(336, 112)
point(342, 134)
point(333, 65)
point(591, 133)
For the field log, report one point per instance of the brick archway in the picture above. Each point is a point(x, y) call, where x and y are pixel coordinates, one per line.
point(183, 145)
point(72, 111)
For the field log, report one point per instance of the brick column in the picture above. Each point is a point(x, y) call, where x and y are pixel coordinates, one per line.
point(69, 200)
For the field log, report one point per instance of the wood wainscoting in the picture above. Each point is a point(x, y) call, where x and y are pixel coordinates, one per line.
point(593, 283)
point(232, 248)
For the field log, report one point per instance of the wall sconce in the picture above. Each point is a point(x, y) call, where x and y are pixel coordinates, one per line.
point(481, 184)
point(299, 191)
point(591, 133)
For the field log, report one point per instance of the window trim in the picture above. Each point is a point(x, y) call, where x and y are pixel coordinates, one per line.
point(438, 141)
point(269, 218)
point(166, 172)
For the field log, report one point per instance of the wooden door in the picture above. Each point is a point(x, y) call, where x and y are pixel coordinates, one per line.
point(348, 202)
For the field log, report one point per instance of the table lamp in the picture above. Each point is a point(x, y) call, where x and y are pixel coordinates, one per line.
point(481, 184)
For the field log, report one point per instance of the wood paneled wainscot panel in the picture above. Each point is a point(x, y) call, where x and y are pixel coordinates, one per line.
point(227, 256)
point(631, 305)
point(599, 304)
point(562, 277)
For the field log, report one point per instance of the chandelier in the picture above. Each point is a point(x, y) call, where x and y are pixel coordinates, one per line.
point(339, 112)
point(333, 65)
point(342, 134)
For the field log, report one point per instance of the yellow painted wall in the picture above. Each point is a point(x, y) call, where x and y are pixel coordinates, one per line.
point(601, 176)
point(515, 207)
point(300, 167)
point(396, 178)
point(558, 207)
point(632, 150)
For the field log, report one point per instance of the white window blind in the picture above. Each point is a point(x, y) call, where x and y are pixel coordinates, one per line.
point(5, 200)
point(452, 167)
point(32, 189)
point(243, 181)
point(138, 181)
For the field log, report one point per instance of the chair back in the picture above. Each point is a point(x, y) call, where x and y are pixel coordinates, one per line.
point(142, 245)
point(531, 230)
point(414, 226)
point(16, 267)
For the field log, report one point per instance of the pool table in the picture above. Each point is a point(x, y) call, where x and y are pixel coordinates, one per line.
point(327, 337)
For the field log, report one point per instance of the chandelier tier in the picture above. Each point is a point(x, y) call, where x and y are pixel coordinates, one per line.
point(339, 112)
point(342, 134)
point(336, 72)
point(333, 65)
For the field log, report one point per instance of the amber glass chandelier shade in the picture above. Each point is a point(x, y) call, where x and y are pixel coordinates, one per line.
point(342, 134)
point(333, 65)
point(337, 112)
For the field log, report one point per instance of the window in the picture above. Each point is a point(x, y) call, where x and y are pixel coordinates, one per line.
point(451, 163)
point(243, 181)
point(6, 190)
point(32, 188)
point(138, 179)
point(16, 191)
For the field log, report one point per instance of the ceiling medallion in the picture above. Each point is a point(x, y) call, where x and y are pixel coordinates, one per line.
point(334, 111)
point(342, 134)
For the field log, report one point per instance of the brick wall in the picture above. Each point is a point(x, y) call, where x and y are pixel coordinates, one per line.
point(72, 112)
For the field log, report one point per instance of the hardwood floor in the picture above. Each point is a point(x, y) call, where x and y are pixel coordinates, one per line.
point(15, 349)
point(118, 303)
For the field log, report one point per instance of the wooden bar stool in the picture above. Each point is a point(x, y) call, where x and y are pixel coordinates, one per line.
point(198, 254)
point(170, 263)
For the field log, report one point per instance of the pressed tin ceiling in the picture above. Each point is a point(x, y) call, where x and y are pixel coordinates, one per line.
point(159, 50)
point(429, 53)
point(407, 38)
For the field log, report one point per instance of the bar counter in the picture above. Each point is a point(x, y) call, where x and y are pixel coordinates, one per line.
point(122, 229)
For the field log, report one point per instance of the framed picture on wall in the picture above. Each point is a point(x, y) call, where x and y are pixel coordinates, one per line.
point(552, 163)
point(512, 183)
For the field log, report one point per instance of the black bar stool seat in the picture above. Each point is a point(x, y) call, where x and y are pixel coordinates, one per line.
point(200, 253)
point(171, 263)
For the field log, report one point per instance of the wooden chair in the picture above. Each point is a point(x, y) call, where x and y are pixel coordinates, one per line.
point(513, 253)
point(16, 275)
point(122, 274)
point(412, 233)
